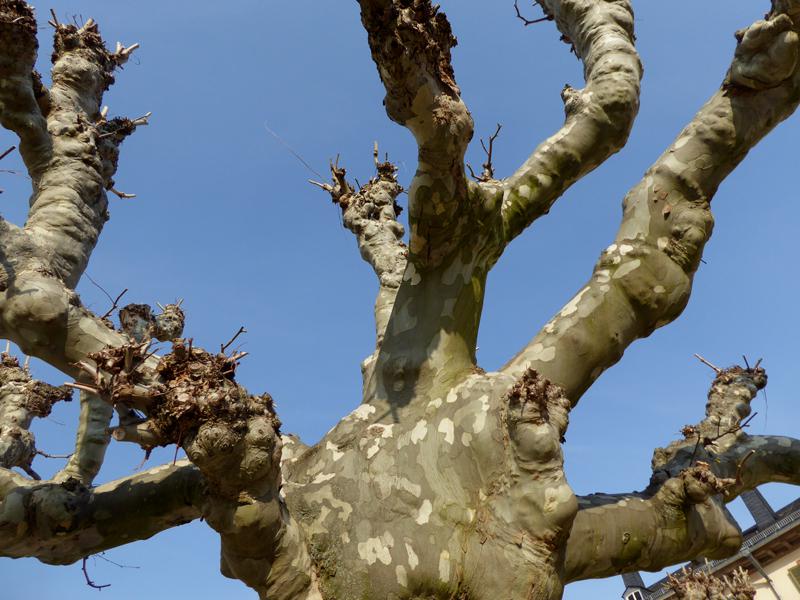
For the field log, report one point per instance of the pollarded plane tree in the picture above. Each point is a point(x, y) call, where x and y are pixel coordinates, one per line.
point(446, 481)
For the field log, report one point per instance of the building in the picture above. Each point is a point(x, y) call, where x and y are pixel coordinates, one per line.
point(770, 554)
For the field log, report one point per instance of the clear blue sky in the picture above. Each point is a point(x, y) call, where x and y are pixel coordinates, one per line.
point(225, 219)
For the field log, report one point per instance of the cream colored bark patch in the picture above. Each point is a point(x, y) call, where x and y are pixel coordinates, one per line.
point(413, 560)
point(335, 453)
point(402, 577)
point(444, 566)
point(419, 432)
point(424, 512)
point(363, 412)
point(448, 429)
point(377, 549)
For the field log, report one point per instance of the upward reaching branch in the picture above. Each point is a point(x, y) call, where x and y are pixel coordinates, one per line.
point(410, 43)
point(598, 117)
point(643, 280)
point(371, 213)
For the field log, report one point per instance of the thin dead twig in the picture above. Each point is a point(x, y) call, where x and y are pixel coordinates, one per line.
point(527, 22)
point(488, 167)
point(89, 581)
point(224, 347)
point(114, 304)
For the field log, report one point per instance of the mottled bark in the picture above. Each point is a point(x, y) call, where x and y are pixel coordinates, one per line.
point(642, 281)
point(371, 213)
point(60, 523)
point(671, 520)
point(598, 117)
point(446, 482)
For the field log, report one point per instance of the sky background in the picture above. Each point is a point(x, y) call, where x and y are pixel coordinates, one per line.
point(224, 218)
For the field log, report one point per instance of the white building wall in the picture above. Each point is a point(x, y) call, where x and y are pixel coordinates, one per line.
point(778, 572)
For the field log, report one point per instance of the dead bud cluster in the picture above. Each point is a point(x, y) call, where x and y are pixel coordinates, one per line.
point(200, 388)
point(185, 389)
point(346, 196)
point(700, 482)
point(700, 585)
point(534, 399)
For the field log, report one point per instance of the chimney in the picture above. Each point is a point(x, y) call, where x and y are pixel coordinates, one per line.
point(634, 586)
point(760, 509)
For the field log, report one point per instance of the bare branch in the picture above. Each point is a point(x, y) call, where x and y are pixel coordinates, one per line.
point(411, 48)
point(598, 118)
point(21, 112)
point(716, 369)
point(224, 347)
point(114, 304)
point(69, 206)
point(488, 169)
point(92, 439)
point(89, 581)
point(626, 532)
point(622, 532)
point(160, 498)
point(21, 399)
point(643, 280)
point(371, 213)
point(527, 22)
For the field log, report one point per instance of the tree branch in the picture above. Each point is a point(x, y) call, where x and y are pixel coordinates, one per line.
point(599, 117)
point(411, 45)
point(643, 280)
point(663, 525)
point(20, 109)
point(630, 532)
point(68, 521)
point(371, 213)
point(21, 399)
point(69, 204)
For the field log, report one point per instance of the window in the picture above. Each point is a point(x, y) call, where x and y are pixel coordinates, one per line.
point(794, 575)
point(637, 595)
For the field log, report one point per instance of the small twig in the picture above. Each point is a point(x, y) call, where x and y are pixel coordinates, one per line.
point(58, 456)
point(7, 152)
point(123, 195)
point(116, 564)
point(527, 22)
point(89, 581)
point(292, 152)
point(222, 348)
point(147, 453)
point(54, 22)
point(177, 447)
point(99, 287)
point(488, 168)
point(716, 369)
point(83, 387)
point(114, 304)
point(710, 441)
